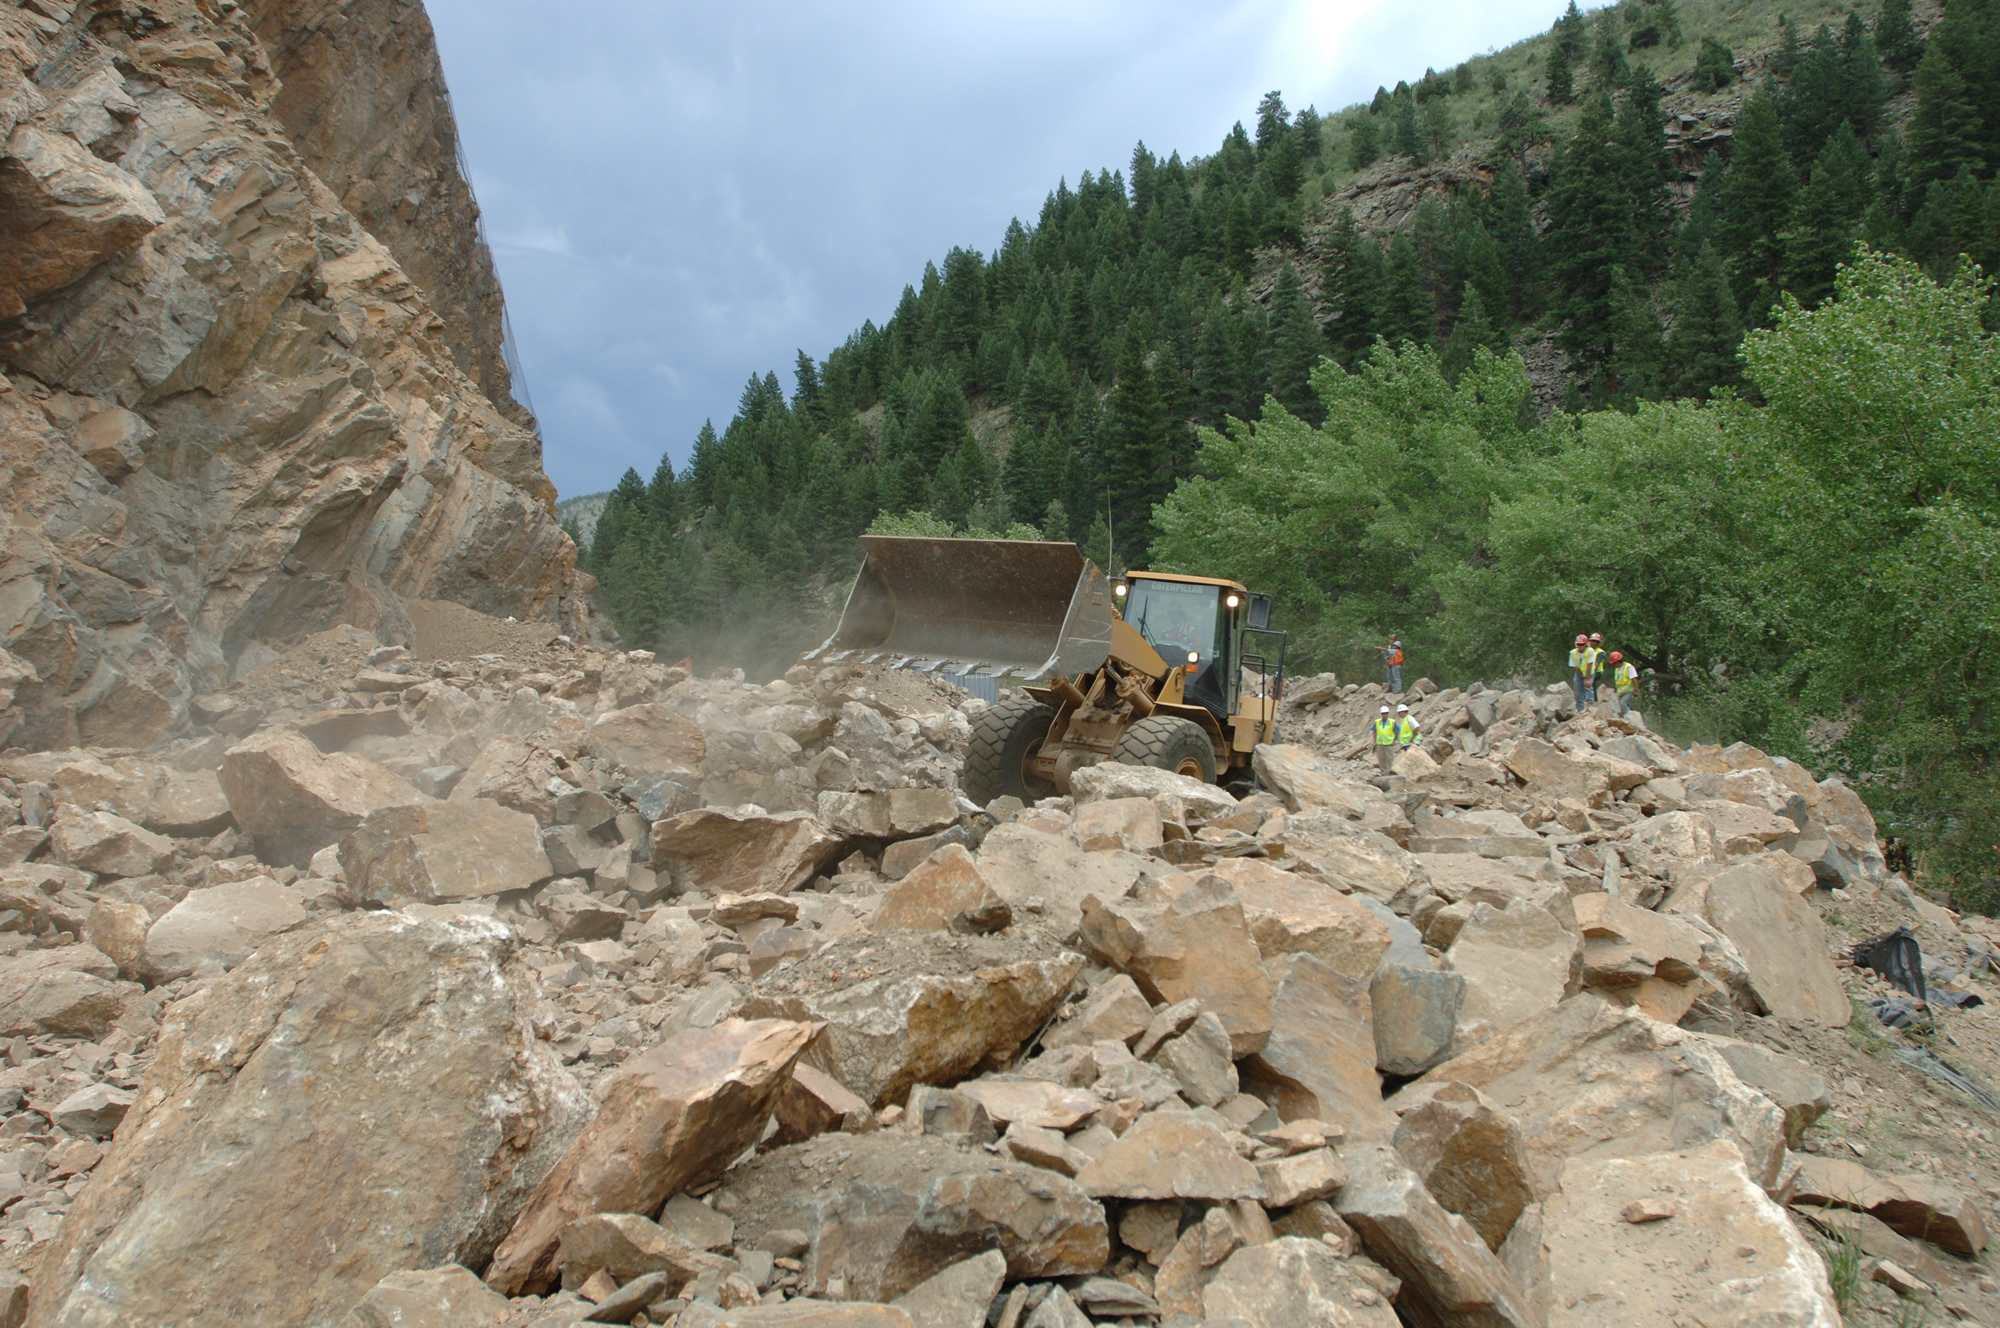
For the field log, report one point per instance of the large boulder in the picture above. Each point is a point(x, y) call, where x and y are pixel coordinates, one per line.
point(918, 1007)
point(1920, 1206)
point(1048, 876)
point(441, 853)
point(448, 1297)
point(675, 1117)
point(159, 797)
point(1293, 914)
point(1449, 1278)
point(1319, 1061)
point(884, 1212)
point(1588, 1079)
point(1783, 944)
point(1704, 1242)
point(1517, 962)
point(67, 991)
point(107, 844)
point(1350, 857)
point(944, 892)
point(294, 800)
point(1297, 777)
point(1470, 1156)
point(222, 924)
point(383, 1065)
point(650, 740)
point(1197, 946)
point(724, 852)
point(1293, 1280)
point(1114, 779)
point(1171, 1156)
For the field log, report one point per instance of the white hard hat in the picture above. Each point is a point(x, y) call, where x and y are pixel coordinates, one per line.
point(1402, 708)
point(1385, 710)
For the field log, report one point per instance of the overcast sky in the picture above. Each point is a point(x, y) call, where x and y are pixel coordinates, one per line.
point(680, 195)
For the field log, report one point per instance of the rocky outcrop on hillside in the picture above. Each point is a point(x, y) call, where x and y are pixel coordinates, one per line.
point(228, 412)
point(552, 986)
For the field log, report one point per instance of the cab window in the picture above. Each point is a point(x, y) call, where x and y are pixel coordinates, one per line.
point(1176, 617)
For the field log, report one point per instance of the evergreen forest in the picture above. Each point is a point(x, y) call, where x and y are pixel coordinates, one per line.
point(1728, 397)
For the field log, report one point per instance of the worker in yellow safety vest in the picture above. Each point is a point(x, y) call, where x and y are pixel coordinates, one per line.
point(1407, 728)
point(1624, 680)
point(1593, 667)
point(1385, 740)
point(1578, 657)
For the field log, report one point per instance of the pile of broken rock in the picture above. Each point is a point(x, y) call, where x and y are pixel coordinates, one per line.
point(593, 992)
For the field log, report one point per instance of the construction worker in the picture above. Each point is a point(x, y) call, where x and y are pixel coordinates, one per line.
point(1407, 728)
point(1578, 657)
point(1593, 667)
point(1385, 739)
point(1624, 681)
point(1393, 657)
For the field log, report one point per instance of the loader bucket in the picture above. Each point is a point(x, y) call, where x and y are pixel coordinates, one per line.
point(1001, 607)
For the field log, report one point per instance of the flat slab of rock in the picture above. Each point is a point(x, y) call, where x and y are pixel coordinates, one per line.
point(294, 800)
point(68, 991)
point(440, 853)
point(1046, 877)
point(1349, 857)
point(1171, 1155)
point(720, 852)
point(1296, 776)
point(1113, 779)
point(1517, 962)
point(800, 1313)
point(1449, 1277)
point(420, 1111)
point(1588, 1079)
point(1916, 1206)
point(627, 1245)
point(886, 1212)
point(1293, 914)
point(1293, 1280)
point(1319, 1062)
point(958, 1296)
point(222, 924)
point(650, 740)
point(673, 1118)
point(1195, 947)
point(449, 1297)
point(1783, 943)
point(107, 844)
point(1724, 1254)
point(909, 1008)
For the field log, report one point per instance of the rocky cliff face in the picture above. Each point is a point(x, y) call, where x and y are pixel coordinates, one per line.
point(229, 409)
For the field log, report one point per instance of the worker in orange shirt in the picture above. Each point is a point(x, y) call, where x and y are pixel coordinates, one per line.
point(1393, 657)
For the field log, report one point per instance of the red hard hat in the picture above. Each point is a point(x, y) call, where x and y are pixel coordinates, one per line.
point(1615, 657)
point(1582, 640)
point(1597, 636)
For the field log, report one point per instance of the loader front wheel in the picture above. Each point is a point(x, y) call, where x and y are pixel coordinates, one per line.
point(1167, 742)
point(1004, 741)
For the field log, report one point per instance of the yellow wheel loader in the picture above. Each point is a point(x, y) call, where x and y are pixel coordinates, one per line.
point(1179, 672)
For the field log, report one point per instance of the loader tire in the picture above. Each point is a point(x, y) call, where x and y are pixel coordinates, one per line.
point(1167, 742)
point(1004, 739)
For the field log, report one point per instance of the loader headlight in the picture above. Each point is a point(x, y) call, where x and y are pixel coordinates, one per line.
point(1119, 590)
point(1233, 601)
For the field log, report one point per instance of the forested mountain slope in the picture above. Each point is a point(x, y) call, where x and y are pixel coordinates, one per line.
point(1507, 264)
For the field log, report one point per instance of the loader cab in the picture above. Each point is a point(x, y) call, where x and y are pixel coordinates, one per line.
point(1193, 621)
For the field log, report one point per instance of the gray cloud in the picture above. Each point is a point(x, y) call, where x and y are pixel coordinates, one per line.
point(680, 195)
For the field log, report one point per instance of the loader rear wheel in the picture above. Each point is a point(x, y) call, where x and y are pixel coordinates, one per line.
point(1004, 740)
point(1167, 742)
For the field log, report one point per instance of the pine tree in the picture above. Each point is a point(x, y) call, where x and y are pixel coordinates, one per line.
point(1512, 220)
point(1639, 133)
point(1786, 58)
point(1239, 239)
point(1437, 129)
point(1353, 281)
point(1607, 56)
point(1408, 139)
point(1292, 346)
point(1637, 367)
point(1896, 37)
point(1591, 233)
point(1826, 218)
point(1556, 73)
point(1409, 310)
point(1944, 132)
point(1707, 330)
point(1570, 32)
point(704, 468)
point(1714, 66)
point(1135, 444)
point(1473, 332)
point(1757, 207)
point(663, 493)
point(1364, 142)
